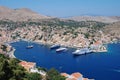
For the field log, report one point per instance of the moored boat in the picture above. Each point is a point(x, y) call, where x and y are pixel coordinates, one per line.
point(61, 49)
point(78, 52)
point(29, 47)
point(82, 51)
point(55, 46)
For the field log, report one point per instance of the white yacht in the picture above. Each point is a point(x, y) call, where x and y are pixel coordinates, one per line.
point(29, 46)
point(61, 49)
point(55, 46)
point(82, 51)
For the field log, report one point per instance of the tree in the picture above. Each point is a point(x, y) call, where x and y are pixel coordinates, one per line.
point(4, 47)
point(18, 72)
point(41, 68)
point(33, 76)
point(11, 70)
point(53, 74)
point(87, 35)
point(4, 70)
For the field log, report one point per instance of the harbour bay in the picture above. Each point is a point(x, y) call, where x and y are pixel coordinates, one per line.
point(100, 66)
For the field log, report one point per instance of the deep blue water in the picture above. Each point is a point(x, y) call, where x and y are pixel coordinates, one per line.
point(100, 66)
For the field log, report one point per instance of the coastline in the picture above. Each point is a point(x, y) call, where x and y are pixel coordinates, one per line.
point(64, 45)
point(11, 53)
point(12, 50)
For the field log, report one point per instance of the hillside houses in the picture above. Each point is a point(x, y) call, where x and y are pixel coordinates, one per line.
point(74, 76)
point(31, 67)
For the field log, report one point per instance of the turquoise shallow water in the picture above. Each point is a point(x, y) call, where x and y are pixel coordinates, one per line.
point(100, 66)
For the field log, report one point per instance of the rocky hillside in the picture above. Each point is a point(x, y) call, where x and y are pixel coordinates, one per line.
point(23, 14)
point(113, 30)
point(26, 24)
point(104, 19)
point(54, 31)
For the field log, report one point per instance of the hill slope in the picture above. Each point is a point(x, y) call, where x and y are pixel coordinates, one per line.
point(104, 19)
point(113, 30)
point(23, 14)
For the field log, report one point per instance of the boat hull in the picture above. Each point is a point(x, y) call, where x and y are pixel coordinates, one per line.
point(29, 47)
point(61, 49)
point(82, 52)
point(55, 47)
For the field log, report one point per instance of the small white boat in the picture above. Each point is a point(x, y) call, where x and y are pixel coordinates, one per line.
point(61, 49)
point(89, 51)
point(55, 46)
point(79, 52)
point(82, 51)
point(29, 47)
point(76, 51)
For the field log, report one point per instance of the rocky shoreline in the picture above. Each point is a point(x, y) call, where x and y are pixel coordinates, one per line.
point(11, 53)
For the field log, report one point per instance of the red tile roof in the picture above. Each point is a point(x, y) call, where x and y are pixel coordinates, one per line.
point(64, 74)
point(23, 63)
point(76, 75)
point(97, 43)
point(27, 65)
point(85, 79)
point(71, 79)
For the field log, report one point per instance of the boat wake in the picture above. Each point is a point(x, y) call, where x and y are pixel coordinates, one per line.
point(116, 70)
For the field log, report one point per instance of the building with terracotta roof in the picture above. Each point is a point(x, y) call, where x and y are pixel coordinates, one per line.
point(71, 79)
point(85, 79)
point(65, 75)
point(31, 67)
point(77, 76)
point(28, 65)
point(74, 76)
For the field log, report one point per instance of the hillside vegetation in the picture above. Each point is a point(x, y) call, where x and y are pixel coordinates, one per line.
point(11, 70)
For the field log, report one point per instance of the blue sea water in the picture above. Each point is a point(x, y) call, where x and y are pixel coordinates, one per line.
point(100, 66)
